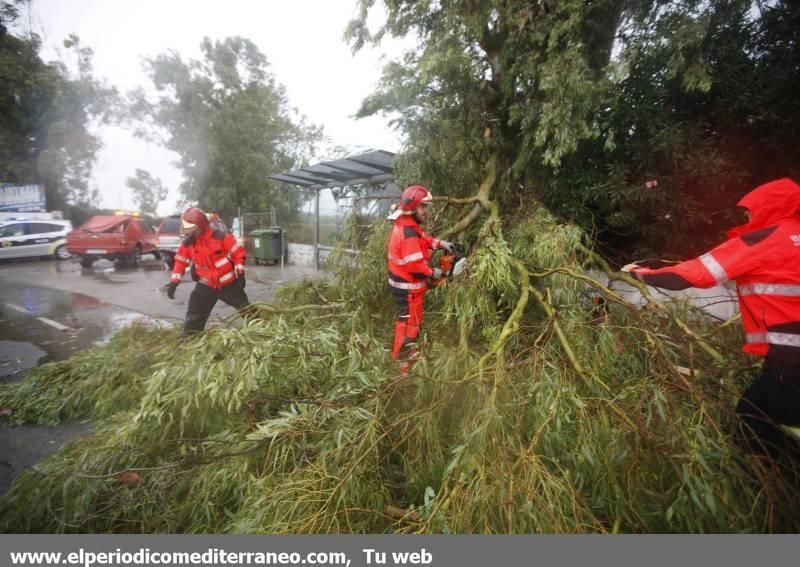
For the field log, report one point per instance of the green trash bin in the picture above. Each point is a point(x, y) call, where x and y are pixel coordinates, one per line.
point(267, 244)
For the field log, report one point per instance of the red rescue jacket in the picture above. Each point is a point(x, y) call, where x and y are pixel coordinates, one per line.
point(763, 257)
point(214, 254)
point(409, 252)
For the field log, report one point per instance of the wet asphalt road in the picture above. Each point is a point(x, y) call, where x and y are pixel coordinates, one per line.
point(50, 309)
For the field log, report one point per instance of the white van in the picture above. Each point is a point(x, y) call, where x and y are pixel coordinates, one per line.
point(29, 238)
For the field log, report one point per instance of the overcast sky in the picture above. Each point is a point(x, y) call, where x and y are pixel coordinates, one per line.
point(302, 40)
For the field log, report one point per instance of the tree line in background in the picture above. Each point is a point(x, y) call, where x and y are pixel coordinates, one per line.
point(641, 120)
point(47, 114)
point(225, 116)
point(230, 124)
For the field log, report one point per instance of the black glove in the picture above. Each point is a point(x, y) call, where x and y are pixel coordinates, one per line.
point(171, 287)
point(240, 281)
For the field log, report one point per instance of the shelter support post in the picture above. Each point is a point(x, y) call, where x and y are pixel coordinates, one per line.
point(316, 231)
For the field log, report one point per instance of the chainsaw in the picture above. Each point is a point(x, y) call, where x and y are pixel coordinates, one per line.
point(451, 264)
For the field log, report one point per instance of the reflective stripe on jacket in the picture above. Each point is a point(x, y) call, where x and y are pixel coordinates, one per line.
point(763, 257)
point(213, 254)
point(408, 255)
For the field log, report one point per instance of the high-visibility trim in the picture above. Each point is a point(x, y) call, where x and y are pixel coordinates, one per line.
point(181, 258)
point(791, 430)
point(406, 285)
point(226, 277)
point(239, 267)
point(220, 263)
point(781, 339)
point(716, 269)
point(175, 277)
point(415, 257)
point(789, 290)
point(234, 248)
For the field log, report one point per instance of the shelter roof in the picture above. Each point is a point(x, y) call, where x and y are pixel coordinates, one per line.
point(371, 167)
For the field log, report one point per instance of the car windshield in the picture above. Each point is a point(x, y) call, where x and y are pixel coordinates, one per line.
point(170, 225)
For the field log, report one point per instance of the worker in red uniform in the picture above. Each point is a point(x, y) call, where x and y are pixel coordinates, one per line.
point(218, 262)
point(763, 257)
point(409, 272)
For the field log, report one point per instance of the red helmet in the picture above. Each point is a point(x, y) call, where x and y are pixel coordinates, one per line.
point(194, 219)
point(413, 197)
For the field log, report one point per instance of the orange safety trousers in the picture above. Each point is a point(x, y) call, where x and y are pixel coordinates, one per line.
point(405, 349)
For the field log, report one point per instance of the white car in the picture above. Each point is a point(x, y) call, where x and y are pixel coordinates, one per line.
point(31, 238)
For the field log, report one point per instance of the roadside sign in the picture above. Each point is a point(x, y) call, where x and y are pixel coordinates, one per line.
point(22, 198)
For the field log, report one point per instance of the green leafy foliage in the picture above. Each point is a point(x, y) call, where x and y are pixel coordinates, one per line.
point(148, 191)
point(544, 402)
point(528, 413)
point(230, 123)
point(83, 386)
point(48, 113)
point(631, 119)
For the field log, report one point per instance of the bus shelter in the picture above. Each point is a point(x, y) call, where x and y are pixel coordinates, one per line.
point(368, 169)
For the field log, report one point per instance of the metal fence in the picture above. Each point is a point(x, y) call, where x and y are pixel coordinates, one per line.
point(334, 215)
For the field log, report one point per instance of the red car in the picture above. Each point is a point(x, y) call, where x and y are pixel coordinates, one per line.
point(122, 238)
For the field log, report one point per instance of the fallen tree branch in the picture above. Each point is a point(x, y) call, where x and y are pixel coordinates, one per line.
point(299, 309)
point(643, 289)
point(192, 462)
point(482, 198)
point(562, 338)
point(511, 325)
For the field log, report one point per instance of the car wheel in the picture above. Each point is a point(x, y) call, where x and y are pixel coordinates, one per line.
point(87, 262)
point(61, 253)
point(136, 257)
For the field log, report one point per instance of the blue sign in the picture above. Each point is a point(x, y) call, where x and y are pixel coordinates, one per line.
point(22, 198)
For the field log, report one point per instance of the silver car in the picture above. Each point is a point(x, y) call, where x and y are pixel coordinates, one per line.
point(31, 238)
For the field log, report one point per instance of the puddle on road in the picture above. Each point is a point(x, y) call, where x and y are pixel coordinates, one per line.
point(90, 322)
point(16, 357)
point(26, 340)
point(121, 319)
point(104, 277)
